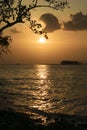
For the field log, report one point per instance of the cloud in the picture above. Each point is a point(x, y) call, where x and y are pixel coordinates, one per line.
point(51, 22)
point(14, 30)
point(78, 22)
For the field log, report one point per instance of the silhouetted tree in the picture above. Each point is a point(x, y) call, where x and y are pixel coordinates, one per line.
point(15, 11)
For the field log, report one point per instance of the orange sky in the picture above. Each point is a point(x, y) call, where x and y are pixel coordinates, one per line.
point(68, 44)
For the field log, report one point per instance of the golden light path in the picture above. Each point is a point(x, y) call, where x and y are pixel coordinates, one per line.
point(41, 103)
point(43, 89)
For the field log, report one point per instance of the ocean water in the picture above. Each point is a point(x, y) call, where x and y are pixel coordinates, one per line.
point(40, 89)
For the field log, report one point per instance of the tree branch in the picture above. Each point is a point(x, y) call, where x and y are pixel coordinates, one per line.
point(23, 11)
point(8, 25)
point(6, 21)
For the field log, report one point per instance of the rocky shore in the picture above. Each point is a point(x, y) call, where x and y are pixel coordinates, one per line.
point(11, 120)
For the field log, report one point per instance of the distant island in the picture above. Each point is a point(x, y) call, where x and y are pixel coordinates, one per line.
point(66, 62)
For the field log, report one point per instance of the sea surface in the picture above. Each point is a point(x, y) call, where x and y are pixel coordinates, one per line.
point(41, 89)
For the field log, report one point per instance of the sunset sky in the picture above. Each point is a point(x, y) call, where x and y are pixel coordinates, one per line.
point(67, 32)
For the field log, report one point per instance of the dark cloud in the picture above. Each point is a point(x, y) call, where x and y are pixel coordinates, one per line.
point(51, 22)
point(14, 30)
point(78, 22)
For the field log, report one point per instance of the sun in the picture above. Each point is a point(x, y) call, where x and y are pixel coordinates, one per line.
point(42, 40)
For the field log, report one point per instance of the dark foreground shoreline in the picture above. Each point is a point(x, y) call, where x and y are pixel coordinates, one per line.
point(11, 120)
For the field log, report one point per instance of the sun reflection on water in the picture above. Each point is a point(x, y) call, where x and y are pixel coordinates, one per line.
point(42, 101)
point(42, 71)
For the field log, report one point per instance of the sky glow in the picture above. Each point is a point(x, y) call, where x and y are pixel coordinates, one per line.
point(67, 37)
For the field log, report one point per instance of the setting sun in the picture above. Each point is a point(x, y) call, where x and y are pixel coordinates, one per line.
point(42, 40)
